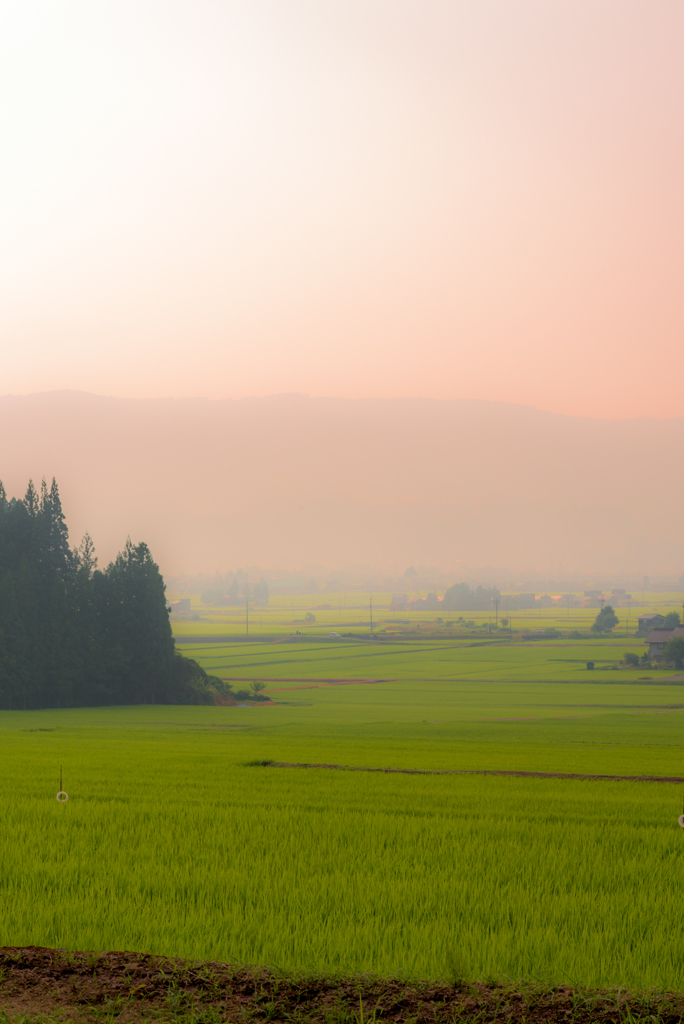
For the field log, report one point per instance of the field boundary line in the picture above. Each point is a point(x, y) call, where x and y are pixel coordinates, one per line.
point(311, 680)
point(667, 681)
point(479, 771)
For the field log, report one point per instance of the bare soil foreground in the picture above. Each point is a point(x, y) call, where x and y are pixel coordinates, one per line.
point(478, 771)
point(54, 984)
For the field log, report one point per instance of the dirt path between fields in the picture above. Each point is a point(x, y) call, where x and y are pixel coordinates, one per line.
point(45, 985)
point(480, 771)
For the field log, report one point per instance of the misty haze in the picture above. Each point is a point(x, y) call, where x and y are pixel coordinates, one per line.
point(290, 481)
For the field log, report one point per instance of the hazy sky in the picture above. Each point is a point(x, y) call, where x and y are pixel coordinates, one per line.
point(287, 481)
point(430, 198)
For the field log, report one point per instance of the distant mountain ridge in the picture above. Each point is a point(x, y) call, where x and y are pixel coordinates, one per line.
point(290, 479)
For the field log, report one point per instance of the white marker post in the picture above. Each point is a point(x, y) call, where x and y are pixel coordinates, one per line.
point(62, 797)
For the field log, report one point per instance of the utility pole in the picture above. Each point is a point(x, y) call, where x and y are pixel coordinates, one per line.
point(371, 613)
point(496, 605)
point(247, 611)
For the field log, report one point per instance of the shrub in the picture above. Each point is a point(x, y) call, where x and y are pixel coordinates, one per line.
point(605, 620)
point(631, 658)
point(674, 651)
point(188, 683)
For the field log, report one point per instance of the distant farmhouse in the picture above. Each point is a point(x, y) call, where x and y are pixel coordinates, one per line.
point(657, 639)
point(431, 603)
point(649, 622)
point(514, 602)
point(619, 598)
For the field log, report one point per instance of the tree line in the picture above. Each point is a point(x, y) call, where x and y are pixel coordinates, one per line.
point(232, 588)
point(74, 635)
point(462, 598)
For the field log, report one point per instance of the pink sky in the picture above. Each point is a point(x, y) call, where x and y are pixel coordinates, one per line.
point(356, 198)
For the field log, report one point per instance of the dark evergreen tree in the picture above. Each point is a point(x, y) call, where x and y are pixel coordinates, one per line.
point(73, 635)
point(13, 647)
point(31, 500)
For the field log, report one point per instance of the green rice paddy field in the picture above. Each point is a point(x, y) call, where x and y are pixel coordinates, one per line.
point(286, 613)
point(172, 842)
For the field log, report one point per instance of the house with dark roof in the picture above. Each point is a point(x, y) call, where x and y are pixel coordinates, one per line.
point(649, 622)
point(657, 639)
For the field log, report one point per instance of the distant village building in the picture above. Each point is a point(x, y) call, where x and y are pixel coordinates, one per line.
point(649, 622)
point(544, 601)
point(181, 607)
point(619, 598)
point(431, 603)
point(657, 639)
point(566, 601)
point(516, 602)
point(399, 603)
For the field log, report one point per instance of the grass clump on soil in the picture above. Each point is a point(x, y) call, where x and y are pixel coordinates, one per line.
point(42, 986)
